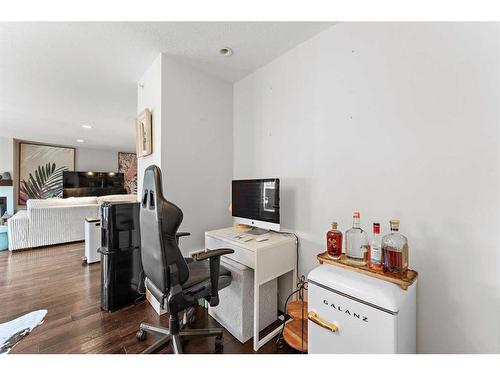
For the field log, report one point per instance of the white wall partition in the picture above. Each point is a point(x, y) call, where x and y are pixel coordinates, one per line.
point(395, 120)
point(149, 96)
point(192, 143)
point(197, 139)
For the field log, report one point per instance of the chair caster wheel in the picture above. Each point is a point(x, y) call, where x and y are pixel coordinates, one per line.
point(141, 335)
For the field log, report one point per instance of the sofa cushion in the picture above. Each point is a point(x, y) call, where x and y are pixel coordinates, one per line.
point(117, 198)
point(57, 202)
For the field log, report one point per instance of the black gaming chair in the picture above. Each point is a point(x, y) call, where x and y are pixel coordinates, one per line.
point(174, 282)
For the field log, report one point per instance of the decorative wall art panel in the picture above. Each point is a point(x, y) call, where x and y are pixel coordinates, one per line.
point(127, 164)
point(41, 170)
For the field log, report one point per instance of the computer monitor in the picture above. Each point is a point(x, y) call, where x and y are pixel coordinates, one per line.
point(257, 203)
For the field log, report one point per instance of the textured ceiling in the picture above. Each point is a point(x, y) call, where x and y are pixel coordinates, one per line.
point(56, 77)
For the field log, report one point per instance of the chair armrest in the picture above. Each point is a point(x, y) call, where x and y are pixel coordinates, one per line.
point(214, 258)
point(207, 254)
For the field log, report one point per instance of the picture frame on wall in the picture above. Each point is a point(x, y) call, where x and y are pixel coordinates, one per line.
point(41, 170)
point(127, 164)
point(143, 132)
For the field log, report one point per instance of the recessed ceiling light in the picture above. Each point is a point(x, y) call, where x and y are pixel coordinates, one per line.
point(87, 126)
point(226, 51)
point(80, 140)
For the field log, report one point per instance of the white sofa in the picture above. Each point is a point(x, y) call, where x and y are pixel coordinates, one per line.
point(53, 221)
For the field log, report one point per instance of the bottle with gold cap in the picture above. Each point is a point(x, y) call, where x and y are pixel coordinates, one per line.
point(395, 250)
point(334, 242)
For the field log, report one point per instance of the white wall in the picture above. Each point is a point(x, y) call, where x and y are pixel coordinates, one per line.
point(394, 120)
point(6, 155)
point(7, 165)
point(86, 159)
point(192, 143)
point(89, 159)
point(149, 96)
point(197, 137)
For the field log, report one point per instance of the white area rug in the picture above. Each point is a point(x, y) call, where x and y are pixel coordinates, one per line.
point(13, 331)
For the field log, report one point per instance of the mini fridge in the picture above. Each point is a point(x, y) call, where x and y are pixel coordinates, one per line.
point(122, 276)
point(352, 313)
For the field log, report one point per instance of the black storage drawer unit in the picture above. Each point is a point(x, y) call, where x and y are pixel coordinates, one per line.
point(122, 276)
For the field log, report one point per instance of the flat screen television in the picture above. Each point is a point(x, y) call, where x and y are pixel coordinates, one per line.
point(257, 203)
point(87, 184)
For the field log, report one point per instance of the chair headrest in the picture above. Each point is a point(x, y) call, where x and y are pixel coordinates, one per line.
point(152, 187)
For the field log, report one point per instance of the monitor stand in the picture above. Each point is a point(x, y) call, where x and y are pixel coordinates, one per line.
point(257, 231)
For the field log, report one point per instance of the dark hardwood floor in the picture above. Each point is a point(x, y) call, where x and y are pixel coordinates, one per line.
point(54, 279)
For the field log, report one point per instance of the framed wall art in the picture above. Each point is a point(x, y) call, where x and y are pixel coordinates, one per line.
point(127, 164)
point(143, 132)
point(41, 170)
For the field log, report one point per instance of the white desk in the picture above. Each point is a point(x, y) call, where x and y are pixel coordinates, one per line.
point(269, 260)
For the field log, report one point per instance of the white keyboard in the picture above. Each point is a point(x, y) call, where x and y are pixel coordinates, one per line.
point(242, 237)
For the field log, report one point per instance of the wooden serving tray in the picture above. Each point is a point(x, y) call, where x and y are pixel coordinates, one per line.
point(404, 281)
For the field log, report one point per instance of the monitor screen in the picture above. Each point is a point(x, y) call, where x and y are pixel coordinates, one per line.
point(256, 200)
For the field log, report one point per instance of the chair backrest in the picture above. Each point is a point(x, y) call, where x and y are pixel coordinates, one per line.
point(160, 220)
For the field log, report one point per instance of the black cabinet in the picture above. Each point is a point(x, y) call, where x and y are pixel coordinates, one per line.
point(122, 276)
point(91, 184)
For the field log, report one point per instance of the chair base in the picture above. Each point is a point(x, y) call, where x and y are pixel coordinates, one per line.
point(166, 338)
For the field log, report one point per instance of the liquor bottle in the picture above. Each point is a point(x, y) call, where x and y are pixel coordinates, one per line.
point(334, 242)
point(356, 241)
point(376, 248)
point(395, 250)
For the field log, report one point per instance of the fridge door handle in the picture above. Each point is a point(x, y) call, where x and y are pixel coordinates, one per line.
point(314, 317)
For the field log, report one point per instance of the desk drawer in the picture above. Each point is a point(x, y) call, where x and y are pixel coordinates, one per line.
point(240, 254)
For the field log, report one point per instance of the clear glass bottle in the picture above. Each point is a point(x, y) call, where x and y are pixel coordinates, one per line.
point(356, 241)
point(395, 250)
point(334, 242)
point(376, 248)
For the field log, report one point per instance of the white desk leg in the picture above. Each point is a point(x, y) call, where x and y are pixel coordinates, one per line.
point(256, 310)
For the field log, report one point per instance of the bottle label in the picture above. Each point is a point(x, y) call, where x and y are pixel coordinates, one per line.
point(334, 243)
point(376, 255)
